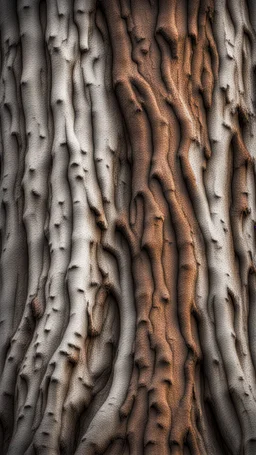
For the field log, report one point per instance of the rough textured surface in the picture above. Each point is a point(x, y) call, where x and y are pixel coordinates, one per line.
point(128, 215)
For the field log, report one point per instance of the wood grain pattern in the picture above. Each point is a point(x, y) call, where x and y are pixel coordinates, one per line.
point(127, 227)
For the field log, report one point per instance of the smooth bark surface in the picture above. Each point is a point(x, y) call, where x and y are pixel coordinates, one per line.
point(127, 221)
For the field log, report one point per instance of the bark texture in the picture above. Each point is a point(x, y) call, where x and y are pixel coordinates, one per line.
point(127, 221)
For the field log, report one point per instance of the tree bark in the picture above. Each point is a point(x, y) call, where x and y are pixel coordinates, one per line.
point(128, 215)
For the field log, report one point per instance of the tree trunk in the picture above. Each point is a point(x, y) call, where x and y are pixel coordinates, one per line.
point(128, 215)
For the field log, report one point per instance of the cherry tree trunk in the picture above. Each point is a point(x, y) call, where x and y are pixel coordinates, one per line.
point(127, 227)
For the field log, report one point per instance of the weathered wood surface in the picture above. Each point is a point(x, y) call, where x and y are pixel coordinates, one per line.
point(127, 221)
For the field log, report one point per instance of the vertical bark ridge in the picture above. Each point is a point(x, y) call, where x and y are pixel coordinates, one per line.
point(10, 192)
point(70, 314)
point(146, 116)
